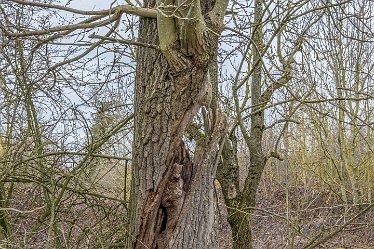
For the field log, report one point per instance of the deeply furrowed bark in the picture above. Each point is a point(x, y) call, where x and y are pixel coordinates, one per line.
point(173, 201)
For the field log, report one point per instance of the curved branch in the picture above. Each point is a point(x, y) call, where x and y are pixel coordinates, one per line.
point(64, 27)
point(129, 9)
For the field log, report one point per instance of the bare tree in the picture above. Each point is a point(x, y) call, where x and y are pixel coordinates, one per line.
point(173, 98)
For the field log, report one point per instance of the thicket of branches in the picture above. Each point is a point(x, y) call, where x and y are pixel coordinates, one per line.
point(66, 116)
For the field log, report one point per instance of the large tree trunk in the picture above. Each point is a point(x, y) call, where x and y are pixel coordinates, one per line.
point(173, 203)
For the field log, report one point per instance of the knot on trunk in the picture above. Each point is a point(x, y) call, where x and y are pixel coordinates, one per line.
point(174, 193)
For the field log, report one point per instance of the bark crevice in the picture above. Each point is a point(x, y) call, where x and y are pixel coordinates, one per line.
point(181, 191)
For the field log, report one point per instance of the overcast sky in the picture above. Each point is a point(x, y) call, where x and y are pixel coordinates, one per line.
point(92, 4)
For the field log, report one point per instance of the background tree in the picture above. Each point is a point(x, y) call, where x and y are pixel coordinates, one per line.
point(290, 28)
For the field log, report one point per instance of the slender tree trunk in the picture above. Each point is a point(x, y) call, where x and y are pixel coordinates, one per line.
point(173, 203)
point(5, 229)
point(240, 203)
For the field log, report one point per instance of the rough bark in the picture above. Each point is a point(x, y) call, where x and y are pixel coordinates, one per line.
point(173, 201)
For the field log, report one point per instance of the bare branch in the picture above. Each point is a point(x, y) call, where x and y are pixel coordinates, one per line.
point(64, 27)
point(123, 41)
point(128, 9)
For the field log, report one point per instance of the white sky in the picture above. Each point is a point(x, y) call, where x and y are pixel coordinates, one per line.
point(92, 4)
